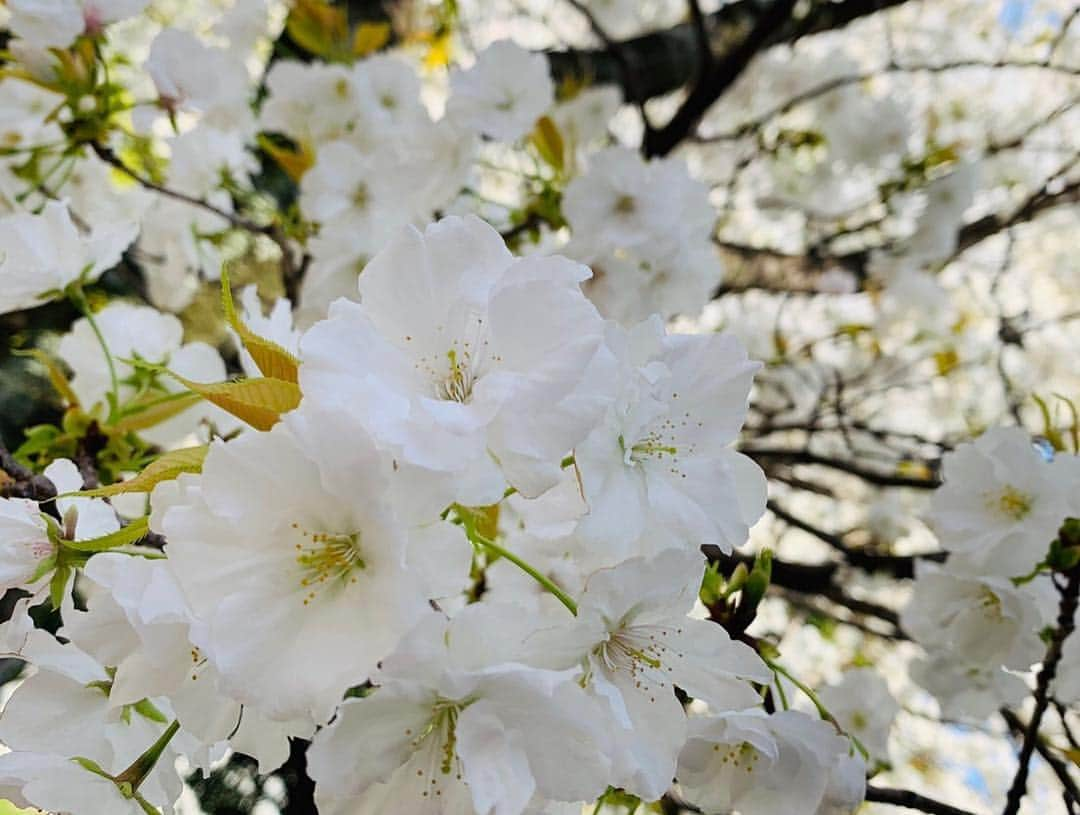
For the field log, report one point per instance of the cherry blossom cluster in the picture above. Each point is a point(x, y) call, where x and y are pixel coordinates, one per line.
point(473, 410)
point(980, 614)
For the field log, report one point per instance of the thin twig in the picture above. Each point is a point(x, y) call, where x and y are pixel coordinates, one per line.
point(1066, 622)
point(1061, 770)
point(271, 231)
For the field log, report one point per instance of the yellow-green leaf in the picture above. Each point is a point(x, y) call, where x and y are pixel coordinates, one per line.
point(294, 163)
point(56, 376)
point(125, 536)
point(164, 468)
point(549, 143)
point(318, 27)
point(273, 360)
point(259, 401)
point(140, 417)
point(369, 38)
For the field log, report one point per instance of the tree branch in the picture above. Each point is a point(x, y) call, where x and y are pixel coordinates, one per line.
point(880, 479)
point(668, 60)
point(911, 800)
point(899, 566)
point(1061, 770)
point(237, 221)
point(17, 481)
point(710, 86)
point(1070, 594)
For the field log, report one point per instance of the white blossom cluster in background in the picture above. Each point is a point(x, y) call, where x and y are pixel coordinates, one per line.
point(416, 404)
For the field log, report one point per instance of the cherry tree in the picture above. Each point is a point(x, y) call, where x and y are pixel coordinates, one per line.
point(540, 406)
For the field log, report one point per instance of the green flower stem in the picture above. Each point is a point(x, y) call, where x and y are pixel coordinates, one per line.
point(542, 579)
point(823, 712)
point(78, 298)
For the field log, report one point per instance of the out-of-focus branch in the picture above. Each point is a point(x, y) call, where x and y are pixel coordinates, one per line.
point(912, 800)
point(668, 60)
point(766, 456)
point(237, 221)
point(709, 87)
point(900, 566)
point(771, 268)
point(17, 481)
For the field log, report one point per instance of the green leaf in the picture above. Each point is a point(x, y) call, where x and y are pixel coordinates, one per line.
point(56, 376)
point(146, 709)
point(164, 468)
point(125, 536)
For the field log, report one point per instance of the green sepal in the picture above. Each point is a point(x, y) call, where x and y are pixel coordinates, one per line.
point(43, 568)
point(146, 709)
point(91, 766)
point(58, 586)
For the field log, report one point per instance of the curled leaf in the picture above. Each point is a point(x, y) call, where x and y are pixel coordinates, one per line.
point(164, 468)
point(273, 360)
point(56, 376)
point(259, 401)
point(125, 536)
point(549, 143)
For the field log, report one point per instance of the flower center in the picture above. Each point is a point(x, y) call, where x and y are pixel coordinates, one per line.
point(435, 749)
point(360, 196)
point(990, 603)
point(642, 652)
point(625, 205)
point(1012, 503)
point(458, 384)
point(327, 559)
point(742, 757)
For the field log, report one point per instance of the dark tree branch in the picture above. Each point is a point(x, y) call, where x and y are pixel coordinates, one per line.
point(1066, 621)
point(701, 38)
point(1061, 770)
point(764, 456)
point(668, 60)
point(710, 86)
point(17, 481)
point(912, 800)
point(902, 567)
point(237, 221)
